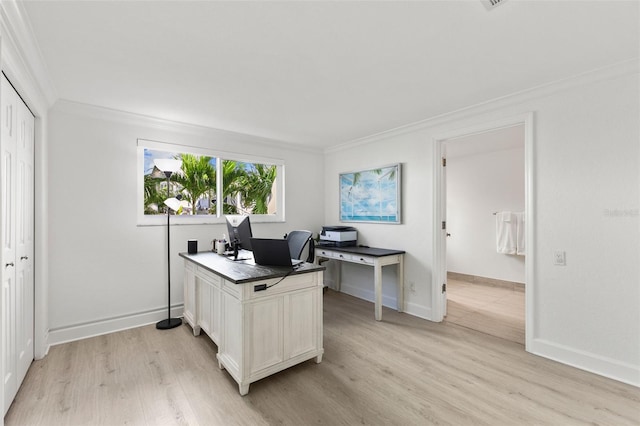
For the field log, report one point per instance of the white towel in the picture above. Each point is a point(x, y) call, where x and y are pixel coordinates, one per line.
point(520, 243)
point(506, 233)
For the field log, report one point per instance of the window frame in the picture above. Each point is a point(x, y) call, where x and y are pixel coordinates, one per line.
point(160, 219)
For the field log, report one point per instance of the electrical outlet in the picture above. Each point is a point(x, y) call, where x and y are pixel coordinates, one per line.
point(559, 258)
point(412, 286)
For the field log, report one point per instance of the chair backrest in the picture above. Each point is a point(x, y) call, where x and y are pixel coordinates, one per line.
point(297, 241)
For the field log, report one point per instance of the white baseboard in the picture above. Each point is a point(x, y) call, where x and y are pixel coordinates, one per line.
point(45, 347)
point(329, 282)
point(603, 366)
point(387, 301)
point(110, 325)
point(419, 311)
point(368, 295)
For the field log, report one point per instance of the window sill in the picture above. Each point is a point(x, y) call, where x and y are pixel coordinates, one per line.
point(161, 220)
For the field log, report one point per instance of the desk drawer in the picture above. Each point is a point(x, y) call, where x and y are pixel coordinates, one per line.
point(341, 256)
point(333, 255)
point(208, 276)
point(346, 257)
point(290, 283)
point(365, 260)
point(328, 254)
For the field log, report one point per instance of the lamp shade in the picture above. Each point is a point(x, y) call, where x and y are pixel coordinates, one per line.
point(172, 203)
point(177, 205)
point(168, 164)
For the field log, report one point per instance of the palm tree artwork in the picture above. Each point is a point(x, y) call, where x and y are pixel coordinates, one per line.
point(371, 195)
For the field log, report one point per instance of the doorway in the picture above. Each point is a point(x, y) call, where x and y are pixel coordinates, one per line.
point(440, 228)
point(484, 185)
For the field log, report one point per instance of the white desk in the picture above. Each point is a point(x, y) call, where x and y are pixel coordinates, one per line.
point(376, 257)
point(258, 332)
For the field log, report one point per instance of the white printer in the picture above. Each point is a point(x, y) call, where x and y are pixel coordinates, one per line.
point(338, 236)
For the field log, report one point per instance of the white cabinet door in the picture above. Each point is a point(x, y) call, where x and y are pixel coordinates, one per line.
point(8, 147)
point(24, 240)
point(301, 326)
point(259, 333)
point(16, 239)
point(216, 297)
point(266, 335)
point(281, 328)
point(231, 340)
point(204, 296)
point(189, 285)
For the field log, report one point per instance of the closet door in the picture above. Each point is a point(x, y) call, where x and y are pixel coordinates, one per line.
point(8, 144)
point(24, 240)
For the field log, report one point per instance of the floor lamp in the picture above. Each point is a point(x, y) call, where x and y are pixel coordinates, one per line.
point(168, 167)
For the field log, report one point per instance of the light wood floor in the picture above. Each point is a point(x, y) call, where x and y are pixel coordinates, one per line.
point(493, 310)
point(401, 371)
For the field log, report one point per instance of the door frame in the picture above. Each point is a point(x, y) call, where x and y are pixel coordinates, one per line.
point(439, 270)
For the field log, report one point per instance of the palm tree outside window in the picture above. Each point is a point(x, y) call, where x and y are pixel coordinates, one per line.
point(246, 188)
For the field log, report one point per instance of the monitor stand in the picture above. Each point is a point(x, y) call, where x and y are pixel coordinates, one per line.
point(236, 251)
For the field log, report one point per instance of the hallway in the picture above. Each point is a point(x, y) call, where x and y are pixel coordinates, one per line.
point(495, 310)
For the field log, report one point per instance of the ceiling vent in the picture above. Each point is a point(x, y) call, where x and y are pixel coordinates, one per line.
point(491, 4)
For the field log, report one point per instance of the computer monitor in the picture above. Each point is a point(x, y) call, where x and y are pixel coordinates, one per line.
point(239, 228)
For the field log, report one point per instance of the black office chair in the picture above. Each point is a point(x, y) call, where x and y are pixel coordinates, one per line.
point(297, 241)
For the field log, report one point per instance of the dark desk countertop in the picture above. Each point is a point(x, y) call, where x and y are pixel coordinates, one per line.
point(244, 271)
point(367, 251)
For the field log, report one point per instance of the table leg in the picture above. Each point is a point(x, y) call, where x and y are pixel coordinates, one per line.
point(377, 278)
point(401, 284)
point(220, 366)
point(243, 388)
point(338, 274)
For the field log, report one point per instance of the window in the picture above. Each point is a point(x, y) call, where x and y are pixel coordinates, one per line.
point(208, 185)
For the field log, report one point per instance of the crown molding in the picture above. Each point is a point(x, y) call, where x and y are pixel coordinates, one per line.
point(21, 56)
point(627, 67)
point(130, 118)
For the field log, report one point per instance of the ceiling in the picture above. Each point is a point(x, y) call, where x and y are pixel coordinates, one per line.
point(319, 73)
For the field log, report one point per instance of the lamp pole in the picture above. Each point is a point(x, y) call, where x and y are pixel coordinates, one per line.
point(168, 170)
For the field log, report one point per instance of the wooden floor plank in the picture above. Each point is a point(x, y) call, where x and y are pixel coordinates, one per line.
point(400, 371)
point(494, 310)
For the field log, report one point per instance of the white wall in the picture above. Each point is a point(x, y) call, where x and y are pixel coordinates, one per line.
point(478, 185)
point(413, 235)
point(105, 271)
point(586, 163)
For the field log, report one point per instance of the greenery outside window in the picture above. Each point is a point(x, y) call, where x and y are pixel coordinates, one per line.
point(209, 185)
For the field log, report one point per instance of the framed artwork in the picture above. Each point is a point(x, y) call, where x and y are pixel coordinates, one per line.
point(371, 195)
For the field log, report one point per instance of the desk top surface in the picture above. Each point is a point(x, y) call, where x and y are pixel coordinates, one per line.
point(245, 271)
point(364, 250)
